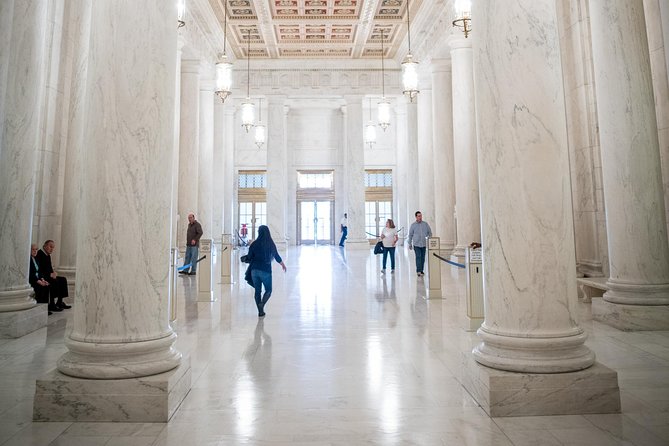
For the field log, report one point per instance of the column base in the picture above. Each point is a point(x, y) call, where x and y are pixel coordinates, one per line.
point(631, 317)
point(510, 394)
point(358, 245)
point(14, 324)
point(150, 399)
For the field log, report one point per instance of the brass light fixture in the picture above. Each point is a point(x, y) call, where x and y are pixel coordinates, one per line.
point(370, 129)
point(463, 16)
point(248, 109)
point(223, 67)
point(181, 12)
point(410, 67)
point(384, 105)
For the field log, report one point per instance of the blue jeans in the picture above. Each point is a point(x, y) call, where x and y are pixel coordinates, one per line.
point(191, 257)
point(261, 278)
point(392, 257)
point(344, 233)
point(420, 258)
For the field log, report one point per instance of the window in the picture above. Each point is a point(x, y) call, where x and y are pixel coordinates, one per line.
point(315, 180)
point(252, 180)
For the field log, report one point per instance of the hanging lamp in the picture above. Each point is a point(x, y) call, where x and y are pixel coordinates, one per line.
point(409, 67)
point(259, 129)
point(248, 109)
point(223, 67)
point(384, 105)
point(370, 129)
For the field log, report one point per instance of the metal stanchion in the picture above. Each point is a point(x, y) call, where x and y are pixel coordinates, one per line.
point(433, 269)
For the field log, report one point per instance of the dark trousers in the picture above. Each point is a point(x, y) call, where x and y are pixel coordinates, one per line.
point(41, 294)
point(344, 233)
point(420, 258)
point(58, 287)
point(261, 278)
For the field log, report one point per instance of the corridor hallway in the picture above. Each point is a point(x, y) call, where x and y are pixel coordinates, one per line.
point(345, 356)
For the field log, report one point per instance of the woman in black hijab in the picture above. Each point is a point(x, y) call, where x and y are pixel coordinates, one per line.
point(261, 253)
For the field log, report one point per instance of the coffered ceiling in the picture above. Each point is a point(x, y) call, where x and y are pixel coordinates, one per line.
point(294, 29)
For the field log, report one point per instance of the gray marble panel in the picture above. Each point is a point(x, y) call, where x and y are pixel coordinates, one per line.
point(14, 324)
point(631, 317)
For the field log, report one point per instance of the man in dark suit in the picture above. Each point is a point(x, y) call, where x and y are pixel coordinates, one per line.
point(39, 284)
point(57, 284)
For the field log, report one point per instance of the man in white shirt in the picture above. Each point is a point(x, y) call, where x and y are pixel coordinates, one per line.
point(418, 233)
point(344, 229)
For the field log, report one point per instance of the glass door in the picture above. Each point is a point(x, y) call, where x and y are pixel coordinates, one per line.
point(252, 214)
point(376, 214)
point(315, 222)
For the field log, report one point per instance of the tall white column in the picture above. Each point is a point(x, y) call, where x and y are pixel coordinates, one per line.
point(229, 199)
point(426, 191)
point(220, 177)
point(354, 172)
point(205, 182)
point(20, 123)
point(189, 141)
point(175, 145)
point(400, 183)
point(638, 295)
point(531, 309)
point(413, 178)
point(277, 180)
point(444, 164)
point(80, 17)
point(467, 210)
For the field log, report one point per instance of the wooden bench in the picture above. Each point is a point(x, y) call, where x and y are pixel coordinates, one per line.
point(589, 287)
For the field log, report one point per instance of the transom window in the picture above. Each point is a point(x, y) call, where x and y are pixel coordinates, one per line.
point(378, 178)
point(252, 180)
point(315, 180)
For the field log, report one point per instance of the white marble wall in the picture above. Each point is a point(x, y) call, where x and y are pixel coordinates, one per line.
point(189, 140)
point(636, 219)
point(529, 270)
point(20, 123)
point(444, 164)
point(120, 327)
point(79, 14)
point(205, 172)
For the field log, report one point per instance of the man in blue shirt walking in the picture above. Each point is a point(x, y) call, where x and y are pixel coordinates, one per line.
point(418, 232)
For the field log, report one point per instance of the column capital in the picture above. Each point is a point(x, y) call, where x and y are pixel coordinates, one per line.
point(441, 65)
point(190, 66)
point(207, 85)
point(459, 42)
point(353, 98)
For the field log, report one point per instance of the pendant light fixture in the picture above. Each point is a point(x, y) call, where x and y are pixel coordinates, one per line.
point(370, 129)
point(248, 109)
point(410, 67)
point(384, 105)
point(463, 16)
point(181, 13)
point(223, 67)
point(259, 129)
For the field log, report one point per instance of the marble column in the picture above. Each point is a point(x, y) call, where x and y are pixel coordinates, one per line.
point(175, 146)
point(531, 309)
point(277, 187)
point(189, 141)
point(20, 124)
point(80, 24)
point(426, 192)
point(467, 209)
point(120, 336)
point(229, 198)
point(444, 170)
point(400, 182)
point(205, 182)
point(354, 173)
point(220, 177)
point(413, 178)
point(638, 295)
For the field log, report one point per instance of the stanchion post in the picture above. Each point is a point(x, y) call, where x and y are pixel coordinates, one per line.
point(225, 258)
point(474, 289)
point(433, 269)
point(204, 271)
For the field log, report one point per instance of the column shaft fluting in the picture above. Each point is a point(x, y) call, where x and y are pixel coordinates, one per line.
point(400, 182)
point(20, 126)
point(632, 179)
point(528, 240)
point(121, 324)
point(230, 175)
point(412, 172)
point(444, 170)
point(426, 192)
point(354, 161)
point(220, 177)
point(468, 212)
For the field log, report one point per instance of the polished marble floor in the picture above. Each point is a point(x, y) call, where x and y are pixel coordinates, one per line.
point(345, 356)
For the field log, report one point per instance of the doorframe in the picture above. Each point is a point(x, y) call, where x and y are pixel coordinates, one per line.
point(313, 200)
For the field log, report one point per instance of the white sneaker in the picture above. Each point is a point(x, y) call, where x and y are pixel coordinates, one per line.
point(383, 271)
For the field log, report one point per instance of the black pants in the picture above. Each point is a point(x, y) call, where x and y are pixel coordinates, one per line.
point(58, 287)
point(41, 294)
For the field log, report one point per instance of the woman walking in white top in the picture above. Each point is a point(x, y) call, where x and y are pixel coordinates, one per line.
point(389, 238)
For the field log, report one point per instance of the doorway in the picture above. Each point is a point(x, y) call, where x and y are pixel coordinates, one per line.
point(315, 218)
point(252, 214)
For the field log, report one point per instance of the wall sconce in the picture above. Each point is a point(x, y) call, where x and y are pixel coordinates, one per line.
point(463, 16)
point(370, 129)
point(181, 12)
point(259, 130)
point(223, 67)
point(384, 105)
point(410, 67)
